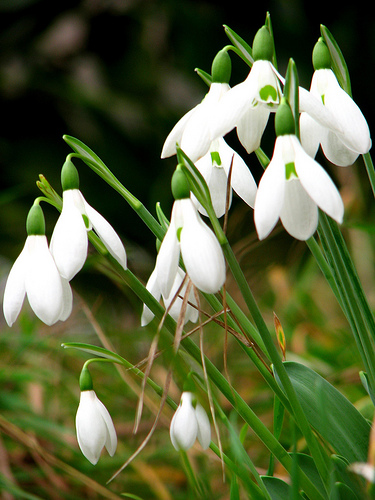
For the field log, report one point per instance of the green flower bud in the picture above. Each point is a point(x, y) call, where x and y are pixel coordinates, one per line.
point(179, 184)
point(284, 120)
point(35, 223)
point(321, 58)
point(69, 176)
point(221, 67)
point(263, 45)
point(85, 380)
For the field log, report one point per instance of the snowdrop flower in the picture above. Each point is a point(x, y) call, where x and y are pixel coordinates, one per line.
point(190, 422)
point(94, 424)
point(174, 310)
point(69, 242)
point(189, 235)
point(214, 167)
point(193, 131)
point(247, 105)
point(351, 136)
point(34, 274)
point(293, 186)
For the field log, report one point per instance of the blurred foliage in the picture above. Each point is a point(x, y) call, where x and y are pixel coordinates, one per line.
point(118, 74)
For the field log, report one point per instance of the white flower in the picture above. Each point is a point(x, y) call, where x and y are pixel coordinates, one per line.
point(199, 247)
point(174, 310)
point(214, 167)
point(193, 131)
point(348, 137)
point(69, 242)
point(247, 106)
point(291, 188)
point(190, 422)
point(94, 427)
point(34, 273)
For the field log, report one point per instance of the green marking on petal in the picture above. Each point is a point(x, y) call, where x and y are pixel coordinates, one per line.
point(86, 220)
point(178, 233)
point(215, 158)
point(290, 170)
point(268, 93)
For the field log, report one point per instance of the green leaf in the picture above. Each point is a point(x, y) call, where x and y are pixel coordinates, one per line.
point(330, 413)
point(342, 492)
point(291, 92)
point(339, 65)
point(341, 474)
point(244, 48)
point(97, 351)
point(307, 464)
point(277, 488)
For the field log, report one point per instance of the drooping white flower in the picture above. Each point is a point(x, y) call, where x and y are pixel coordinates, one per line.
point(214, 167)
point(201, 252)
point(174, 310)
point(190, 422)
point(292, 188)
point(193, 132)
point(69, 242)
point(247, 105)
point(34, 274)
point(349, 136)
point(94, 427)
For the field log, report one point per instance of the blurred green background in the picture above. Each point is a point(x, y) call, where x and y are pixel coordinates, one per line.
point(118, 74)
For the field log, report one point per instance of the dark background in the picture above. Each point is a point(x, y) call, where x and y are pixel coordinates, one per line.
point(118, 75)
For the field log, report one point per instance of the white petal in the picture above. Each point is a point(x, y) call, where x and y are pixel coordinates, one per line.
point(242, 180)
point(217, 184)
point(204, 426)
point(251, 126)
point(111, 436)
point(174, 136)
point(153, 287)
point(270, 195)
point(336, 151)
point(356, 134)
point(311, 134)
point(184, 427)
point(43, 282)
point(168, 256)
point(90, 427)
point(69, 241)
point(201, 252)
point(191, 313)
point(299, 214)
point(318, 184)
point(14, 293)
point(107, 234)
point(67, 300)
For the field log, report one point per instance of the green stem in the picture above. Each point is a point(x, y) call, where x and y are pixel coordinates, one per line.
point(370, 170)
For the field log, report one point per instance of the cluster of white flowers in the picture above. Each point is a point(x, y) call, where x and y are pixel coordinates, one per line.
point(42, 272)
point(291, 189)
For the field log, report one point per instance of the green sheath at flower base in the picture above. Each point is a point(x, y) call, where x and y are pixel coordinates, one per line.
point(179, 184)
point(221, 67)
point(263, 45)
point(284, 121)
point(321, 57)
point(69, 176)
point(35, 224)
point(85, 380)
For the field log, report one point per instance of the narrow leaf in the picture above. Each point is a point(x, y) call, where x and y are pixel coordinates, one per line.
point(339, 65)
point(243, 47)
point(329, 412)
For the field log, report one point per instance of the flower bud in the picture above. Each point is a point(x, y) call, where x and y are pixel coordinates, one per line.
point(321, 58)
point(69, 176)
point(35, 224)
point(284, 121)
point(85, 380)
point(221, 67)
point(263, 45)
point(179, 184)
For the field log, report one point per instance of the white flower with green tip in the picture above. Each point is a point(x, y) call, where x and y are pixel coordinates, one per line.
point(293, 186)
point(69, 242)
point(34, 274)
point(349, 137)
point(189, 423)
